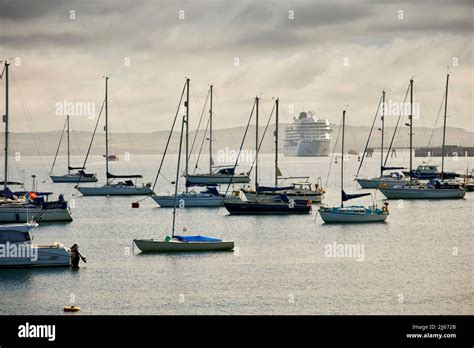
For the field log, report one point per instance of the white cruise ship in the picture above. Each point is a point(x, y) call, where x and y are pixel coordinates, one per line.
point(307, 136)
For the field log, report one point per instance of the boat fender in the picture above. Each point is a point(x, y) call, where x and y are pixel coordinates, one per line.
point(383, 185)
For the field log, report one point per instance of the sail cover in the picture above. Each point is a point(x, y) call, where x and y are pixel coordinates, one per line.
point(76, 168)
point(392, 168)
point(9, 193)
point(212, 190)
point(112, 176)
point(346, 197)
point(11, 183)
point(197, 239)
point(272, 189)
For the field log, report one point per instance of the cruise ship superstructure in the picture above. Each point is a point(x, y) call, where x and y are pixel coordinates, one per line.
point(307, 136)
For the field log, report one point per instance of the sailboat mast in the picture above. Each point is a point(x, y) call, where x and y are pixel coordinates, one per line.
point(177, 178)
point(187, 132)
point(383, 125)
point(342, 156)
point(5, 119)
point(256, 146)
point(210, 131)
point(444, 126)
point(106, 132)
point(411, 130)
point(277, 103)
point(68, 151)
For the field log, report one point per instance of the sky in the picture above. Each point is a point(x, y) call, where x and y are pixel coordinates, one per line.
point(313, 55)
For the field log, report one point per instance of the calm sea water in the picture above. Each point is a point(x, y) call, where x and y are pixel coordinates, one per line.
point(418, 262)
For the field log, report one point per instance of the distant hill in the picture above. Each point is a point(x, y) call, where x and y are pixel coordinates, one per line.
point(45, 143)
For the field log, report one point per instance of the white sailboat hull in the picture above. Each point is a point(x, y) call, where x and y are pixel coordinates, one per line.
point(150, 245)
point(375, 182)
point(24, 212)
point(72, 178)
point(46, 256)
point(417, 192)
point(187, 200)
point(115, 190)
point(332, 217)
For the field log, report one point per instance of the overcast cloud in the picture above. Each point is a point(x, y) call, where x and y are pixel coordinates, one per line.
point(300, 60)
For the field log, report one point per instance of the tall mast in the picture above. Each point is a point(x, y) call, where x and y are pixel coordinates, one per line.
point(5, 119)
point(383, 124)
point(210, 132)
point(177, 178)
point(277, 102)
point(256, 146)
point(187, 132)
point(444, 126)
point(68, 151)
point(106, 133)
point(342, 155)
point(411, 129)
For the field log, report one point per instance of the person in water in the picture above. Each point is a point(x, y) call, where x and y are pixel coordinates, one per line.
point(76, 256)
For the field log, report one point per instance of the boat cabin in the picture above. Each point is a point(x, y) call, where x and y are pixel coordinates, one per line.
point(427, 169)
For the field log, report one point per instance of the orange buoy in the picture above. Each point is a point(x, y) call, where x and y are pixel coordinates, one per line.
point(72, 309)
point(135, 205)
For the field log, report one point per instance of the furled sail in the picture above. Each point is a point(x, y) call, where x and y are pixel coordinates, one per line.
point(346, 197)
point(112, 176)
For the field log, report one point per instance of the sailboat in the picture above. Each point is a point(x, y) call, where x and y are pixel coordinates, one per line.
point(218, 175)
point(176, 243)
point(20, 205)
point(434, 189)
point(80, 175)
point(280, 204)
point(355, 213)
point(121, 188)
point(208, 198)
point(301, 190)
point(390, 180)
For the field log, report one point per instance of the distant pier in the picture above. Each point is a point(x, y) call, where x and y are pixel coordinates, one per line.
point(450, 151)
